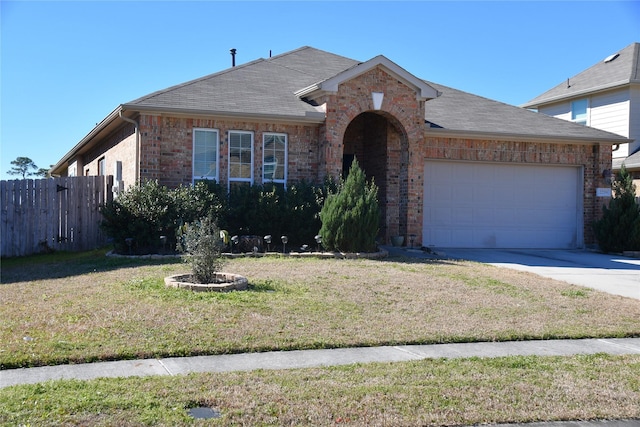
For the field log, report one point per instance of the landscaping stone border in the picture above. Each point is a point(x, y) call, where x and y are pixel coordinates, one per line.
point(224, 282)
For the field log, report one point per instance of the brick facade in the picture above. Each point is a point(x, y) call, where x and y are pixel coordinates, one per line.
point(119, 146)
point(167, 144)
point(391, 144)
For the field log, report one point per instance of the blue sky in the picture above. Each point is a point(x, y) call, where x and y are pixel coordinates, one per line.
point(67, 65)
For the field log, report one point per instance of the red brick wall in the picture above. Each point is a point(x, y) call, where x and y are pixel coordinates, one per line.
point(406, 117)
point(167, 144)
point(119, 146)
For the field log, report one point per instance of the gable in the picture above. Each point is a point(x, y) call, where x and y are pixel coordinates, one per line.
point(422, 89)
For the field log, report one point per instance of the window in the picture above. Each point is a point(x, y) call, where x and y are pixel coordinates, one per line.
point(240, 157)
point(274, 158)
point(205, 154)
point(102, 167)
point(579, 111)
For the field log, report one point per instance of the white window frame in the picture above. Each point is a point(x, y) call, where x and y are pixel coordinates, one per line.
point(195, 177)
point(102, 166)
point(265, 156)
point(586, 111)
point(229, 168)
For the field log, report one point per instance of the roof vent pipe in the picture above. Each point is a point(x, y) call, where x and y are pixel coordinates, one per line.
point(233, 57)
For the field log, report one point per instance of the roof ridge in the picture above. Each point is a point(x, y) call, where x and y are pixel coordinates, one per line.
point(301, 49)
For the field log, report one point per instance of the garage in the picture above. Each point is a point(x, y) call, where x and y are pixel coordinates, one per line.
point(498, 205)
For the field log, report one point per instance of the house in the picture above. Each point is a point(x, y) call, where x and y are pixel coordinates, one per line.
point(605, 96)
point(453, 169)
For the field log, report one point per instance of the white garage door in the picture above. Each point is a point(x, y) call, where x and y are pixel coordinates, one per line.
point(488, 205)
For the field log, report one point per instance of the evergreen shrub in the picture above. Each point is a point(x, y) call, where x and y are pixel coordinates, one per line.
point(350, 217)
point(619, 228)
point(147, 211)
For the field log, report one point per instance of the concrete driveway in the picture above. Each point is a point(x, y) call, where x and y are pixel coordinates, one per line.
point(614, 274)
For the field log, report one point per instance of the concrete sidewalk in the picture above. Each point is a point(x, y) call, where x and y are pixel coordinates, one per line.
point(315, 358)
point(335, 357)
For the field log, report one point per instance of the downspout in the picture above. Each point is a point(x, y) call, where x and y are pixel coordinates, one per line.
point(137, 132)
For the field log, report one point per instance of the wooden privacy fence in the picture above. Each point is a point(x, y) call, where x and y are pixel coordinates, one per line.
point(52, 214)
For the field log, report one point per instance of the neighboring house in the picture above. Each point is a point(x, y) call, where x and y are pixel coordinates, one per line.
point(453, 169)
point(605, 96)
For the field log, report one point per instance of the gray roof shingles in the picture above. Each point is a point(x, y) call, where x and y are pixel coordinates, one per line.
point(632, 162)
point(263, 87)
point(624, 69)
point(461, 111)
point(267, 86)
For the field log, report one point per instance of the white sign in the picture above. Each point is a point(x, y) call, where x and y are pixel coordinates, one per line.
point(603, 192)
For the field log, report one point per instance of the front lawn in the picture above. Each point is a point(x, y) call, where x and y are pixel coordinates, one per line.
point(420, 393)
point(79, 308)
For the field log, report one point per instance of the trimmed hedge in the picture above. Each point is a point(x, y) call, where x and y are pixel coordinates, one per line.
point(148, 211)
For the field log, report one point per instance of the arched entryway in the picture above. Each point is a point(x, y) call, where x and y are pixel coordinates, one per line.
point(379, 142)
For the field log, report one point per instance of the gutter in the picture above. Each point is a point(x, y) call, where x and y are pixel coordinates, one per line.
point(451, 133)
point(311, 117)
point(137, 132)
point(78, 147)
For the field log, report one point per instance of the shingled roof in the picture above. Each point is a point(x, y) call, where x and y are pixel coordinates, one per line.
point(264, 87)
point(619, 69)
point(631, 163)
point(459, 111)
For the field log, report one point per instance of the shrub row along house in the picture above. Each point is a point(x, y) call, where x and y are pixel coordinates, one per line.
point(453, 169)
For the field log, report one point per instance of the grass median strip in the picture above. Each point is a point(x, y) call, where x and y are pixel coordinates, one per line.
point(426, 392)
point(60, 309)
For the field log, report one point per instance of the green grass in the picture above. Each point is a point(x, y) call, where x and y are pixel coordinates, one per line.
point(87, 307)
point(61, 308)
point(427, 392)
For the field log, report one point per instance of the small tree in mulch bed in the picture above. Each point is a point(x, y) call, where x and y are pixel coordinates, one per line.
point(202, 243)
point(350, 217)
